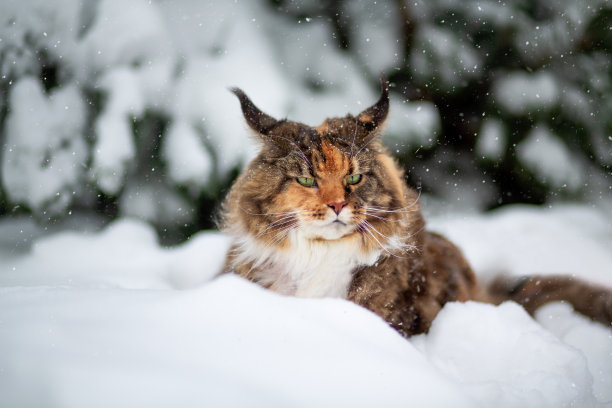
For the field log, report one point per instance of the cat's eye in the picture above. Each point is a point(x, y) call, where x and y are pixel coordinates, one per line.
point(306, 181)
point(354, 179)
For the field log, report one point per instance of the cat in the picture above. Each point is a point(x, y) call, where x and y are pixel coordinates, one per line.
point(324, 212)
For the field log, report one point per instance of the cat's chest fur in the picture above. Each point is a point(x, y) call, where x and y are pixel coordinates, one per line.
point(306, 267)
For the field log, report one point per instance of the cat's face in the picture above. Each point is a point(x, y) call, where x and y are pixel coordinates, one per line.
point(324, 189)
point(325, 195)
point(328, 182)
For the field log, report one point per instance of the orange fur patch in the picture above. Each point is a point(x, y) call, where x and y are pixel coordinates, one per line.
point(365, 118)
point(331, 173)
point(295, 196)
point(323, 128)
point(335, 161)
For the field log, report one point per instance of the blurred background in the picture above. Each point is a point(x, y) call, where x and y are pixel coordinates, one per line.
point(112, 108)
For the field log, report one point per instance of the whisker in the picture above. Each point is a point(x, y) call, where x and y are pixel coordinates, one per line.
point(403, 237)
point(365, 145)
point(393, 211)
point(281, 222)
point(377, 217)
point(299, 151)
point(364, 211)
point(367, 213)
point(366, 228)
point(271, 213)
point(302, 156)
point(277, 227)
point(282, 234)
point(282, 219)
point(407, 208)
point(375, 230)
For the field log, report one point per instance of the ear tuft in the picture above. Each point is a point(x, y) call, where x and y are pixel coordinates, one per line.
point(257, 120)
point(376, 114)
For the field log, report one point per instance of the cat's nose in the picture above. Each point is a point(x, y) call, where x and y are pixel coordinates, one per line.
point(337, 206)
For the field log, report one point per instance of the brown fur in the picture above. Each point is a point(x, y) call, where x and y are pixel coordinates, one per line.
point(413, 273)
point(534, 291)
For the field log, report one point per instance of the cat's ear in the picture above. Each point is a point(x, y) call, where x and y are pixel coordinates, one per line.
point(257, 120)
point(373, 117)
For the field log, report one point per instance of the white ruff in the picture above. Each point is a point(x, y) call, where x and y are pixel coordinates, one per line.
point(309, 268)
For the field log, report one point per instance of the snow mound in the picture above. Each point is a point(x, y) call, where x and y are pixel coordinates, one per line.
point(125, 255)
point(111, 318)
point(505, 358)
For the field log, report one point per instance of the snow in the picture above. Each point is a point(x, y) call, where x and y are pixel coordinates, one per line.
point(523, 240)
point(138, 34)
point(188, 161)
point(378, 37)
point(516, 357)
point(550, 160)
point(491, 143)
point(440, 56)
point(156, 63)
point(114, 147)
point(520, 92)
point(174, 60)
point(44, 155)
point(152, 201)
point(111, 318)
point(411, 124)
point(322, 82)
point(93, 316)
point(25, 25)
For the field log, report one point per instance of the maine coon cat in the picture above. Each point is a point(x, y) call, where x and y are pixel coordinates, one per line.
point(324, 211)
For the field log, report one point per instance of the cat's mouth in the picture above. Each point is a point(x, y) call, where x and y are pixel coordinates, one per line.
point(332, 230)
point(338, 229)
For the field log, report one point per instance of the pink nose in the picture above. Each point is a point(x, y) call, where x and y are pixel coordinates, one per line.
point(337, 206)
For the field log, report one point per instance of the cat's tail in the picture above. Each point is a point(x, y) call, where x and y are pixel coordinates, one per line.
point(531, 292)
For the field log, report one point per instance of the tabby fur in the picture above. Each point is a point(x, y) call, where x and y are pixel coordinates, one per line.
point(364, 241)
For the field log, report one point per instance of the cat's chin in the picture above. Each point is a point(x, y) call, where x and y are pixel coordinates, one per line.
point(329, 232)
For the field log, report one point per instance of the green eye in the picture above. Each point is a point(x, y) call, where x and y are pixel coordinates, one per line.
point(354, 179)
point(306, 181)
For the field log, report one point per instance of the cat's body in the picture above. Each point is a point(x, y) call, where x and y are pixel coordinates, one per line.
point(325, 212)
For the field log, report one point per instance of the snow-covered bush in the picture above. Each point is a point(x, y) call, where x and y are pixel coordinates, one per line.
point(502, 74)
point(122, 107)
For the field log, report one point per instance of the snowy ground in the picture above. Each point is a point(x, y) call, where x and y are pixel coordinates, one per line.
point(111, 319)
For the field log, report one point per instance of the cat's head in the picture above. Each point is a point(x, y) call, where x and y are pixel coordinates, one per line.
point(327, 182)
